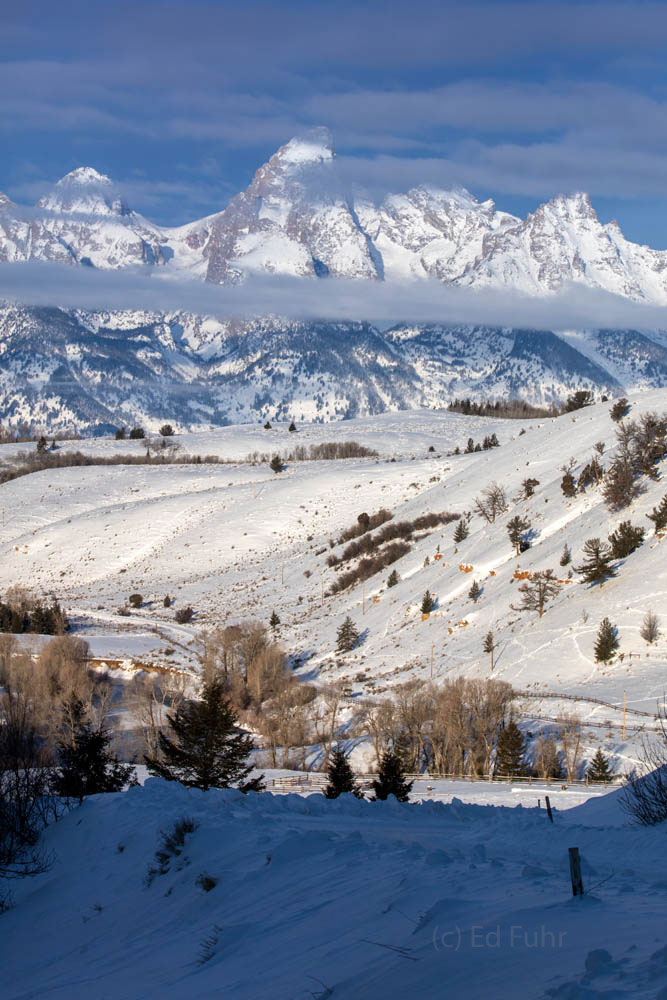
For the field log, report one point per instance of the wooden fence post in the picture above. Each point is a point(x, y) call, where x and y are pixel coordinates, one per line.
point(549, 812)
point(575, 872)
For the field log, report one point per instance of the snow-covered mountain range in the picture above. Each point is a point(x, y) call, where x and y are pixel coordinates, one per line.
point(83, 370)
point(90, 372)
point(296, 219)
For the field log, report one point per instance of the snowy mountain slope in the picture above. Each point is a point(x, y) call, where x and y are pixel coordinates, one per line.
point(360, 899)
point(428, 232)
point(86, 372)
point(564, 241)
point(297, 219)
point(239, 541)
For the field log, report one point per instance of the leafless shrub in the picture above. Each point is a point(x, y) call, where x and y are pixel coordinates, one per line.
point(491, 503)
point(650, 628)
point(644, 797)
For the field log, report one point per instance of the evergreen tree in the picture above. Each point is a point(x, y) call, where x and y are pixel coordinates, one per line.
point(391, 780)
point(205, 749)
point(86, 765)
point(394, 578)
point(659, 515)
point(461, 531)
point(276, 464)
point(341, 778)
point(606, 643)
point(346, 636)
point(536, 592)
point(619, 409)
point(598, 769)
point(625, 540)
point(515, 529)
point(568, 485)
point(566, 557)
point(510, 751)
point(474, 591)
point(597, 567)
point(528, 488)
point(579, 399)
point(470, 447)
point(428, 603)
point(489, 645)
point(274, 621)
point(620, 486)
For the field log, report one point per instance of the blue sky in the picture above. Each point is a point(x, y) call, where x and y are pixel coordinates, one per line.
point(181, 102)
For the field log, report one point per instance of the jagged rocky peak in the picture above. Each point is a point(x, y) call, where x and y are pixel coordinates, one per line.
point(295, 162)
point(572, 208)
point(5, 202)
point(84, 191)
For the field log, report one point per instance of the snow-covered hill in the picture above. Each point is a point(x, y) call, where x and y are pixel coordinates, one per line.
point(353, 900)
point(238, 541)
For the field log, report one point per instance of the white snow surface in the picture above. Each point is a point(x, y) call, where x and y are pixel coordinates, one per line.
point(354, 900)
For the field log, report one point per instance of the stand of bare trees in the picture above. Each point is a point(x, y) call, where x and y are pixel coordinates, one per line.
point(446, 729)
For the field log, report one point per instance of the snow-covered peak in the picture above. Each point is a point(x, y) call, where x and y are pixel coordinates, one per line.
point(570, 208)
point(311, 147)
point(84, 191)
point(5, 202)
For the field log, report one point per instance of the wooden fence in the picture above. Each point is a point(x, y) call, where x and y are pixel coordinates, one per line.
point(317, 781)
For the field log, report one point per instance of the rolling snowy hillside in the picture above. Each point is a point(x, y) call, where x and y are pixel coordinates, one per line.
point(238, 541)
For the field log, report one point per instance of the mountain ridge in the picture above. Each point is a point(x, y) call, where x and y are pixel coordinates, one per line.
point(296, 218)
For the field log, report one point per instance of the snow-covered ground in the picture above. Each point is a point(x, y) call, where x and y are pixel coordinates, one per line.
point(343, 899)
point(238, 541)
point(463, 892)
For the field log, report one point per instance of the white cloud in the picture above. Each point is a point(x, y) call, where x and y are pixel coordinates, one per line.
point(575, 307)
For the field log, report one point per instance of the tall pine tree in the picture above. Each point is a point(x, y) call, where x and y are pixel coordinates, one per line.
point(205, 748)
point(597, 567)
point(606, 642)
point(460, 531)
point(347, 636)
point(391, 780)
point(510, 751)
point(598, 769)
point(86, 765)
point(341, 778)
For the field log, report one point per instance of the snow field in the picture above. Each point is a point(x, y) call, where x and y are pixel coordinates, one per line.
point(363, 899)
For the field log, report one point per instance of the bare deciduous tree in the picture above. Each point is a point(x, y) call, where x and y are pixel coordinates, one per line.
point(569, 730)
point(650, 628)
point(491, 503)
